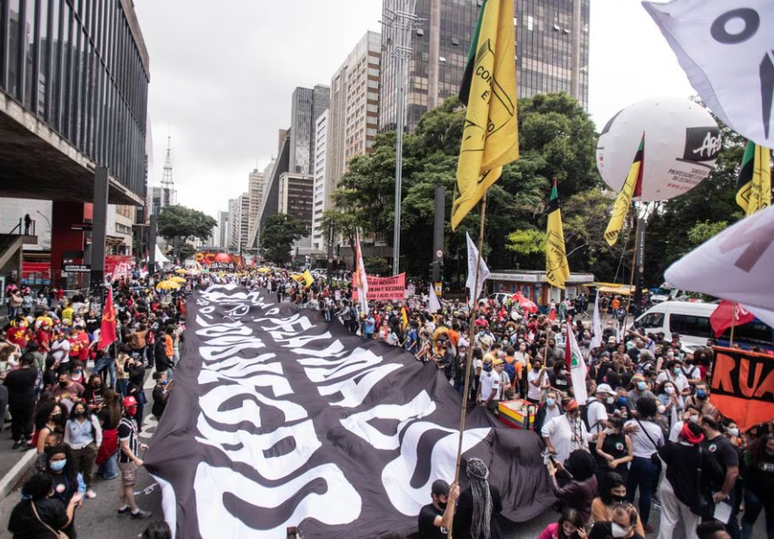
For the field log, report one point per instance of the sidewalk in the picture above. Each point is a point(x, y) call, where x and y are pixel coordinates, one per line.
point(14, 463)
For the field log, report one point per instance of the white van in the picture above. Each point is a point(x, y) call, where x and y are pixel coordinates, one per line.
point(691, 320)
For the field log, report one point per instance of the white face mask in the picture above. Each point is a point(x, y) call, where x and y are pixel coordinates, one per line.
point(618, 531)
point(610, 400)
point(669, 390)
point(661, 409)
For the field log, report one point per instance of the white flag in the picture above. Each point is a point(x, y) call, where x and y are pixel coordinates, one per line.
point(596, 326)
point(433, 305)
point(483, 272)
point(725, 48)
point(735, 265)
point(577, 365)
point(359, 278)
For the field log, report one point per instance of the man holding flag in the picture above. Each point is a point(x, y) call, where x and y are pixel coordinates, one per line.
point(107, 331)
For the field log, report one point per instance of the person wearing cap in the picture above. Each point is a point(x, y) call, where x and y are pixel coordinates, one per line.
point(435, 519)
point(566, 433)
point(128, 460)
point(597, 413)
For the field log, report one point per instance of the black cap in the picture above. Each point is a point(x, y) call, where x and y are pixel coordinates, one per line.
point(440, 488)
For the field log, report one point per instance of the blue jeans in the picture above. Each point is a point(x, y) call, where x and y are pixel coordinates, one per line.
point(752, 508)
point(643, 474)
point(109, 469)
point(121, 386)
point(106, 363)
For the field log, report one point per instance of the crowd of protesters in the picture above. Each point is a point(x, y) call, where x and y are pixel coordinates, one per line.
point(648, 438)
point(80, 405)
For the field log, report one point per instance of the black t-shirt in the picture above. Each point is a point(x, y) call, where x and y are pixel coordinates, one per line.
point(427, 527)
point(159, 402)
point(21, 386)
point(464, 514)
point(24, 525)
point(723, 451)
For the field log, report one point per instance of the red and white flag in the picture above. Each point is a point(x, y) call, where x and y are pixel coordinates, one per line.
point(359, 278)
point(735, 265)
point(729, 314)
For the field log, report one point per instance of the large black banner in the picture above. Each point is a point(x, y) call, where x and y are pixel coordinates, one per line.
point(279, 419)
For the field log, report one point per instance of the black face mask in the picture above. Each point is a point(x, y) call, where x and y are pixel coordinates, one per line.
point(56, 417)
point(79, 413)
point(442, 506)
point(63, 383)
point(618, 499)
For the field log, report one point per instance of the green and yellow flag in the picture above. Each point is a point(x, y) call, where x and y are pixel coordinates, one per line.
point(754, 182)
point(632, 188)
point(557, 268)
point(491, 136)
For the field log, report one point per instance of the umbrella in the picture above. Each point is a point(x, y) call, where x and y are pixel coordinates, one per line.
point(524, 303)
point(167, 285)
point(222, 258)
point(263, 270)
point(181, 271)
point(180, 280)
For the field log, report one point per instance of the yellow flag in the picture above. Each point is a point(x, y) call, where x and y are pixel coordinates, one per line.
point(557, 267)
point(632, 188)
point(754, 182)
point(404, 317)
point(491, 136)
point(308, 279)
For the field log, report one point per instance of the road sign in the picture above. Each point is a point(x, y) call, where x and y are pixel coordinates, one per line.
point(82, 227)
point(76, 268)
point(439, 253)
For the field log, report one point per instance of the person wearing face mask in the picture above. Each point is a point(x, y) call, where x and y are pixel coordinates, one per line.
point(612, 492)
point(537, 381)
point(731, 432)
point(701, 400)
point(40, 512)
point(435, 519)
point(670, 403)
point(94, 393)
point(129, 461)
point(597, 418)
point(728, 458)
point(50, 418)
point(690, 414)
point(623, 524)
point(548, 410)
point(674, 373)
point(580, 486)
point(68, 484)
point(614, 451)
point(639, 390)
point(686, 491)
point(570, 526)
point(489, 385)
point(758, 462)
point(566, 433)
point(559, 377)
point(68, 392)
point(83, 436)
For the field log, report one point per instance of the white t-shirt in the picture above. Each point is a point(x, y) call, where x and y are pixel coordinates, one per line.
point(61, 351)
point(566, 437)
point(505, 380)
point(596, 414)
point(489, 381)
point(642, 445)
point(533, 392)
point(680, 380)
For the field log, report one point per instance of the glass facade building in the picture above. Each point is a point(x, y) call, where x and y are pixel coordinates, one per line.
point(308, 104)
point(546, 33)
point(77, 66)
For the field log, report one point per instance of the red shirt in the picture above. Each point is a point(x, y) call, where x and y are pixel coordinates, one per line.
point(43, 338)
point(17, 336)
point(79, 346)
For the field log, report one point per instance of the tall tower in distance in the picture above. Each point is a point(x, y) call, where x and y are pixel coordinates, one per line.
point(165, 195)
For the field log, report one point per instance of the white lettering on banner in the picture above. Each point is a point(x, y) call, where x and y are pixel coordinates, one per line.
point(354, 393)
point(238, 367)
point(214, 353)
point(358, 424)
point(354, 363)
point(396, 476)
point(291, 410)
point(220, 330)
point(255, 449)
point(339, 504)
point(277, 382)
point(213, 399)
point(336, 349)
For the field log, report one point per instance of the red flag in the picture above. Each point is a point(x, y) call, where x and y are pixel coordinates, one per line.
point(552, 315)
point(729, 313)
point(107, 332)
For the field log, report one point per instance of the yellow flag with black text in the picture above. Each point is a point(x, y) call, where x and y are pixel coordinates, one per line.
point(754, 181)
point(557, 268)
point(632, 188)
point(308, 279)
point(490, 138)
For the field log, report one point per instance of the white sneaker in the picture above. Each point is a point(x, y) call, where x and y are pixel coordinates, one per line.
point(90, 494)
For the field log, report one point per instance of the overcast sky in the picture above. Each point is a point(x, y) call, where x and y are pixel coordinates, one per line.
point(222, 75)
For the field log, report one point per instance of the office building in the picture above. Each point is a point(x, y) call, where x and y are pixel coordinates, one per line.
point(307, 105)
point(321, 193)
point(223, 238)
point(73, 97)
point(255, 192)
point(552, 52)
point(354, 112)
point(296, 198)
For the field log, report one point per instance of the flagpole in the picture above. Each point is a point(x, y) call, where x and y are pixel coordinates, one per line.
point(634, 269)
point(471, 337)
point(733, 319)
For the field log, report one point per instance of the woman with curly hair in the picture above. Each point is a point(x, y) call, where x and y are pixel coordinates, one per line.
point(581, 486)
point(612, 491)
point(50, 418)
